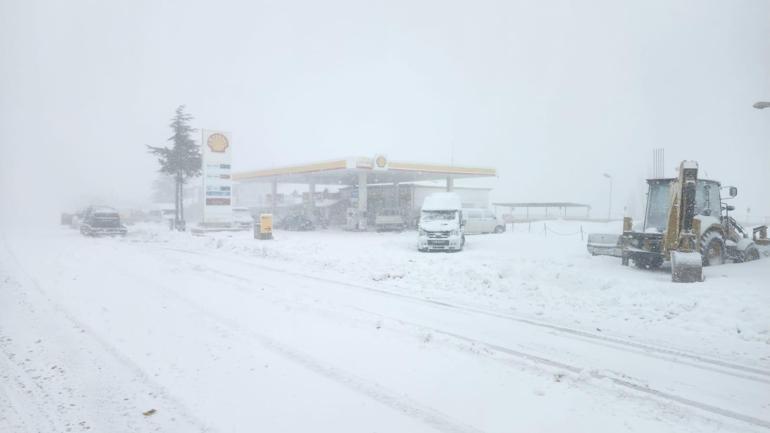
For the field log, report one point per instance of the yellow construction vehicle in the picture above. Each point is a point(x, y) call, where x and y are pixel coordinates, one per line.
point(686, 222)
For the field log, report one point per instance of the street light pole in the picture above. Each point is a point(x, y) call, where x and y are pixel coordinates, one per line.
point(609, 208)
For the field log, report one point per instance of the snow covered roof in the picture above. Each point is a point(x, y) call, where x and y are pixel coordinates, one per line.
point(542, 204)
point(103, 209)
point(442, 201)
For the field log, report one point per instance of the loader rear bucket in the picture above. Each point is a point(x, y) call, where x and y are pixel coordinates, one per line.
point(600, 244)
point(686, 267)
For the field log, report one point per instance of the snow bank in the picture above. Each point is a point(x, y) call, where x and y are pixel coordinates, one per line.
point(539, 270)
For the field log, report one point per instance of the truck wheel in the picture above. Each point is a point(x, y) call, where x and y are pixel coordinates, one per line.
point(712, 248)
point(499, 229)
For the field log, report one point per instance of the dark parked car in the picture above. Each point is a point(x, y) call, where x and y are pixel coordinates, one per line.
point(296, 223)
point(102, 221)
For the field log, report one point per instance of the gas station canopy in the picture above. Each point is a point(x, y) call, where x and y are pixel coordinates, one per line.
point(348, 171)
point(359, 172)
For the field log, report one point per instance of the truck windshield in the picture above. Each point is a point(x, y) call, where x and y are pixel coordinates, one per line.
point(439, 215)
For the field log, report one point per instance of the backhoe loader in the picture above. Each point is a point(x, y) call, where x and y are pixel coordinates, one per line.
point(687, 223)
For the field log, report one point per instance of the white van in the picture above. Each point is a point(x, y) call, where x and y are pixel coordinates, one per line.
point(478, 221)
point(441, 223)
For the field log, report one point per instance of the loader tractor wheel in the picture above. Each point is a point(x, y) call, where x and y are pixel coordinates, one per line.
point(751, 253)
point(712, 247)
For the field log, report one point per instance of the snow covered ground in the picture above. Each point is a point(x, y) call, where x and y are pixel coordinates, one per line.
point(338, 331)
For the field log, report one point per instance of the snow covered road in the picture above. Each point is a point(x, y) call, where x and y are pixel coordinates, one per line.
point(215, 340)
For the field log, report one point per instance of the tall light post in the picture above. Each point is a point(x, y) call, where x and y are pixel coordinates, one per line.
point(759, 105)
point(609, 208)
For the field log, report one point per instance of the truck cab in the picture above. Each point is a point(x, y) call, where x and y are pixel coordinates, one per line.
point(441, 223)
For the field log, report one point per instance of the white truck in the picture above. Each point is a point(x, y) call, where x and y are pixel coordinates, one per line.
point(441, 223)
point(389, 220)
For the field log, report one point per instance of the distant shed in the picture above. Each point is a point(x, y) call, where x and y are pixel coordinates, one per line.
point(560, 206)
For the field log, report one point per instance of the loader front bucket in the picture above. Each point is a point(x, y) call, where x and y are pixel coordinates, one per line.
point(686, 267)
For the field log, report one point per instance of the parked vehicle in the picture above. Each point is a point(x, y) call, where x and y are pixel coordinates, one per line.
point(441, 223)
point(242, 218)
point(162, 214)
point(297, 222)
point(686, 222)
point(480, 221)
point(66, 219)
point(102, 221)
point(389, 220)
point(77, 219)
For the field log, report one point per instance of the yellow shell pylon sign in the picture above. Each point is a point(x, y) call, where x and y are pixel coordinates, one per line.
point(217, 143)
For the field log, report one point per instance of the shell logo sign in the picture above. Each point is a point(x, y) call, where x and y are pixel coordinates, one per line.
point(217, 180)
point(380, 162)
point(217, 143)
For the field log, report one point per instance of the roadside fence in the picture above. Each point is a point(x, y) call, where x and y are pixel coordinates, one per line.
point(546, 230)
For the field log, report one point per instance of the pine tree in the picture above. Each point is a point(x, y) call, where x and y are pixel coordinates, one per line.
point(182, 160)
point(163, 188)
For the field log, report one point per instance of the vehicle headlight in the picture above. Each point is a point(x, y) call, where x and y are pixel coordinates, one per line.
point(422, 232)
point(454, 233)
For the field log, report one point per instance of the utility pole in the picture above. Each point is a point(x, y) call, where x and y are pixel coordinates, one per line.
point(760, 105)
point(609, 207)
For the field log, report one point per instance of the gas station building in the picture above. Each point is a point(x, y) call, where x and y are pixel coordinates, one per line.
point(361, 180)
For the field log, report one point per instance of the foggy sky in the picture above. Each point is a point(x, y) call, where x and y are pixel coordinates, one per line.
point(551, 93)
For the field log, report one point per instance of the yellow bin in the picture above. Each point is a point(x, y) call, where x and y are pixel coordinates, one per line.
point(266, 226)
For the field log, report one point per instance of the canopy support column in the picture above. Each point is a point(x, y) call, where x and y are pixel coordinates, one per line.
point(396, 196)
point(363, 194)
point(273, 196)
point(311, 198)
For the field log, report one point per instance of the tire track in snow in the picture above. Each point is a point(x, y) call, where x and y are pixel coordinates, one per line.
point(598, 375)
point(121, 358)
point(613, 376)
point(400, 403)
point(634, 386)
point(29, 389)
point(673, 355)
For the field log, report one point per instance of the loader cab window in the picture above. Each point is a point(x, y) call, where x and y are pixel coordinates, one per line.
point(658, 204)
point(707, 199)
